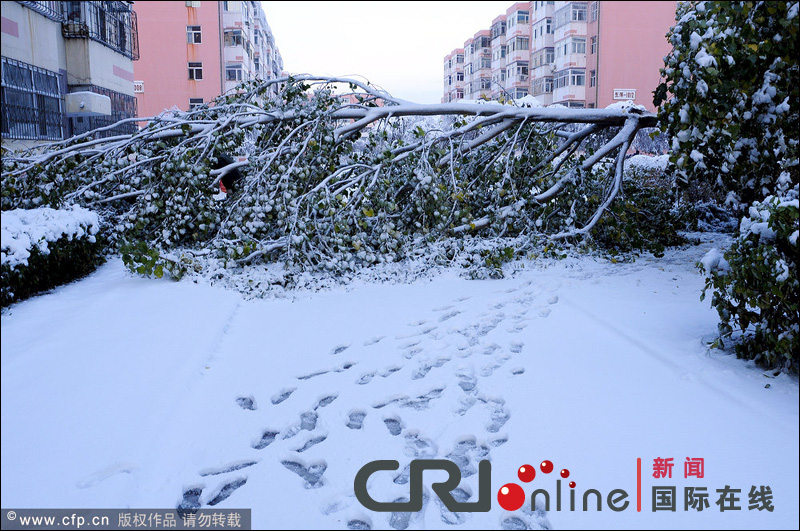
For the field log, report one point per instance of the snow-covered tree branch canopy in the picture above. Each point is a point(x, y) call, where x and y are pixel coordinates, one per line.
point(332, 181)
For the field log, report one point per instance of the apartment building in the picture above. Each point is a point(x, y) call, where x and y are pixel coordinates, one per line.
point(575, 54)
point(194, 51)
point(67, 68)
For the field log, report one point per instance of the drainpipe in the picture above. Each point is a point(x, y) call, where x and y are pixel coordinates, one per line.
point(221, 49)
point(597, 63)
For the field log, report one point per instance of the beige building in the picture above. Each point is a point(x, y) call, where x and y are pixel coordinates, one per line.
point(67, 68)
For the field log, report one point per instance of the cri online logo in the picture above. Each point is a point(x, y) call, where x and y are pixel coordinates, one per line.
point(510, 496)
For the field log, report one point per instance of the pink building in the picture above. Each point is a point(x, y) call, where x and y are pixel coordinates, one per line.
point(576, 54)
point(180, 50)
point(626, 46)
point(193, 52)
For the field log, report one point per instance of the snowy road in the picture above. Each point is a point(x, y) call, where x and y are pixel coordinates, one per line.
point(126, 392)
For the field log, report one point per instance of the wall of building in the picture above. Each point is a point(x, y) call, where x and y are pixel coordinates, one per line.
point(236, 45)
point(631, 44)
point(163, 69)
point(50, 49)
point(32, 38)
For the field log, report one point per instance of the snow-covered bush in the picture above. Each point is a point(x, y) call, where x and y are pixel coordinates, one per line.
point(730, 96)
point(756, 290)
point(730, 105)
point(43, 248)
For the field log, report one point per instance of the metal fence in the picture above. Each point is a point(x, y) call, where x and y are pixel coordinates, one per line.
point(122, 106)
point(112, 24)
point(31, 102)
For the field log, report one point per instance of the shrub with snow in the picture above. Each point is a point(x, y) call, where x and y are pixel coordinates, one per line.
point(756, 290)
point(729, 100)
point(730, 104)
point(43, 248)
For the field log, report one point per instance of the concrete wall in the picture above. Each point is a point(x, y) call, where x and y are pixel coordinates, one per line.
point(32, 38)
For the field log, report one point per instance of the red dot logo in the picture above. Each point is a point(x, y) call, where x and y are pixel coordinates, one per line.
point(564, 473)
point(572, 484)
point(546, 467)
point(511, 496)
point(526, 473)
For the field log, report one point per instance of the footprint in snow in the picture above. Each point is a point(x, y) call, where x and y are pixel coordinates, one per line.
point(282, 395)
point(356, 419)
point(246, 402)
point(226, 490)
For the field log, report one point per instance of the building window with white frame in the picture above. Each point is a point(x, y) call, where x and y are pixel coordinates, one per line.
point(592, 78)
point(193, 35)
point(577, 77)
point(195, 103)
point(593, 45)
point(594, 11)
point(233, 37)
point(233, 72)
point(196, 71)
point(578, 45)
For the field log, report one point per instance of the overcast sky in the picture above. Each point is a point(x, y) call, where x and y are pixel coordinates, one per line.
point(399, 46)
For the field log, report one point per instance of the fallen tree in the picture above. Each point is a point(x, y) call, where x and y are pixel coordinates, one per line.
point(333, 181)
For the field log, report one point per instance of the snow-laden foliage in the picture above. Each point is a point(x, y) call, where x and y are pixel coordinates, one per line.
point(731, 107)
point(330, 185)
point(43, 248)
point(730, 97)
point(755, 286)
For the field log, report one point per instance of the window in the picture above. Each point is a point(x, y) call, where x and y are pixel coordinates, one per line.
point(460, 59)
point(192, 4)
point(459, 94)
point(138, 87)
point(579, 11)
point(31, 102)
point(519, 43)
point(257, 64)
point(522, 17)
point(193, 35)
point(521, 93)
point(225, 6)
point(486, 83)
point(594, 11)
point(233, 37)
point(593, 46)
point(196, 71)
point(520, 69)
point(561, 79)
point(449, 80)
point(578, 45)
point(486, 62)
point(543, 57)
point(459, 76)
point(498, 29)
point(195, 103)
point(233, 72)
point(592, 78)
point(502, 74)
point(577, 77)
point(572, 12)
point(542, 85)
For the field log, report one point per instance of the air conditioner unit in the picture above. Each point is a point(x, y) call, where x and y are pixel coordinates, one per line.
point(87, 104)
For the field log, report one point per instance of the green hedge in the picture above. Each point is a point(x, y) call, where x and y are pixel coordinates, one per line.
point(68, 260)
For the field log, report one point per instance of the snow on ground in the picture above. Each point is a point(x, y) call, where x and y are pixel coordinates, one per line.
point(124, 392)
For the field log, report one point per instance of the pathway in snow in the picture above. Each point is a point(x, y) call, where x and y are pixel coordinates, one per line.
point(410, 374)
point(119, 391)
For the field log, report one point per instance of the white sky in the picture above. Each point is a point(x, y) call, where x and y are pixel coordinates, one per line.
point(399, 46)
